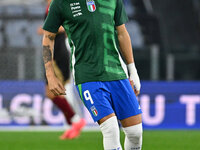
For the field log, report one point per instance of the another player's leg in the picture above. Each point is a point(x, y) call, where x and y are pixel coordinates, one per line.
point(132, 127)
point(61, 66)
point(71, 117)
point(77, 122)
point(62, 104)
point(62, 57)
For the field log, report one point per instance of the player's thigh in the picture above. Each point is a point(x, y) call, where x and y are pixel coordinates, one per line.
point(96, 99)
point(105, 118)
point(124, 101)
point(130, 121)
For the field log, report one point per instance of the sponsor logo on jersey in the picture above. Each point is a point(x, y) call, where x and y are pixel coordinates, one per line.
point(91, 5)
point(94, 110)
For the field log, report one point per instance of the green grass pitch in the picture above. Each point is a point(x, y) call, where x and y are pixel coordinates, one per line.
point(152, 140)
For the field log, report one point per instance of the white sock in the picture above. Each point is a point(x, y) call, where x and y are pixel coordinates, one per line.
point(133, 139)
point(111, 134)
point(72, 97)
point(76, 118)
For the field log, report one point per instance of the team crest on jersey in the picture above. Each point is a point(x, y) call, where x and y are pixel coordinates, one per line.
point(94, 110)
point(91, 5)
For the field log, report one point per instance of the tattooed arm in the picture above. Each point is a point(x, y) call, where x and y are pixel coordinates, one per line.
point(55, 86)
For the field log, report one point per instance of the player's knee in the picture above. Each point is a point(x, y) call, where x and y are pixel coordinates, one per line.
point(110, 131)
point(110, 128)
point(134, 133)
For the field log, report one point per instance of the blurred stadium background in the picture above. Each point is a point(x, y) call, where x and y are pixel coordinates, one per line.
point(166, 41)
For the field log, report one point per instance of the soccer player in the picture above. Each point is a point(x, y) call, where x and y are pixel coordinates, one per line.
point(61, 63)
point(96, 33)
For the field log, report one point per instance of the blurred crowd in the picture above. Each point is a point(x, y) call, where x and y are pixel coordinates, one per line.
point(165, 37)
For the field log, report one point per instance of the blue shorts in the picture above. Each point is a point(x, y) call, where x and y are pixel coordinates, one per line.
point(104, 98)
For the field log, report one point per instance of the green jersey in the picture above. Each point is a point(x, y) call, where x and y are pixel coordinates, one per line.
point(91, 29)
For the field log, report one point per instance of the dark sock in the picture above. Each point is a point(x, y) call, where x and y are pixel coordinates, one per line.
point(64, 106)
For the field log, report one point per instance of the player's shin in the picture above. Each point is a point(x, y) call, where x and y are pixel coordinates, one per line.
point(111, 134)
point(133, 139)
point(65, 107)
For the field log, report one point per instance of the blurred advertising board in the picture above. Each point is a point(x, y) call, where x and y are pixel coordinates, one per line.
point(23, 104)
point(165, 105)
point(170, 105)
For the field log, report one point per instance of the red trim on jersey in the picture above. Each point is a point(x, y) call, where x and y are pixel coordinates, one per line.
point(47, 10)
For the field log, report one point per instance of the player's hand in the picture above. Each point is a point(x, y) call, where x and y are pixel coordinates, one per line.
point(134, 78)
point(55, 86)
point(137, 92)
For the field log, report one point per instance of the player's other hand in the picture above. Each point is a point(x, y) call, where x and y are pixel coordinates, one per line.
point(137, 92)
point(134, 78)
point(55, 86)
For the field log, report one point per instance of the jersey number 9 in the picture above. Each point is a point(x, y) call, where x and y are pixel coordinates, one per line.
point(87, 96)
